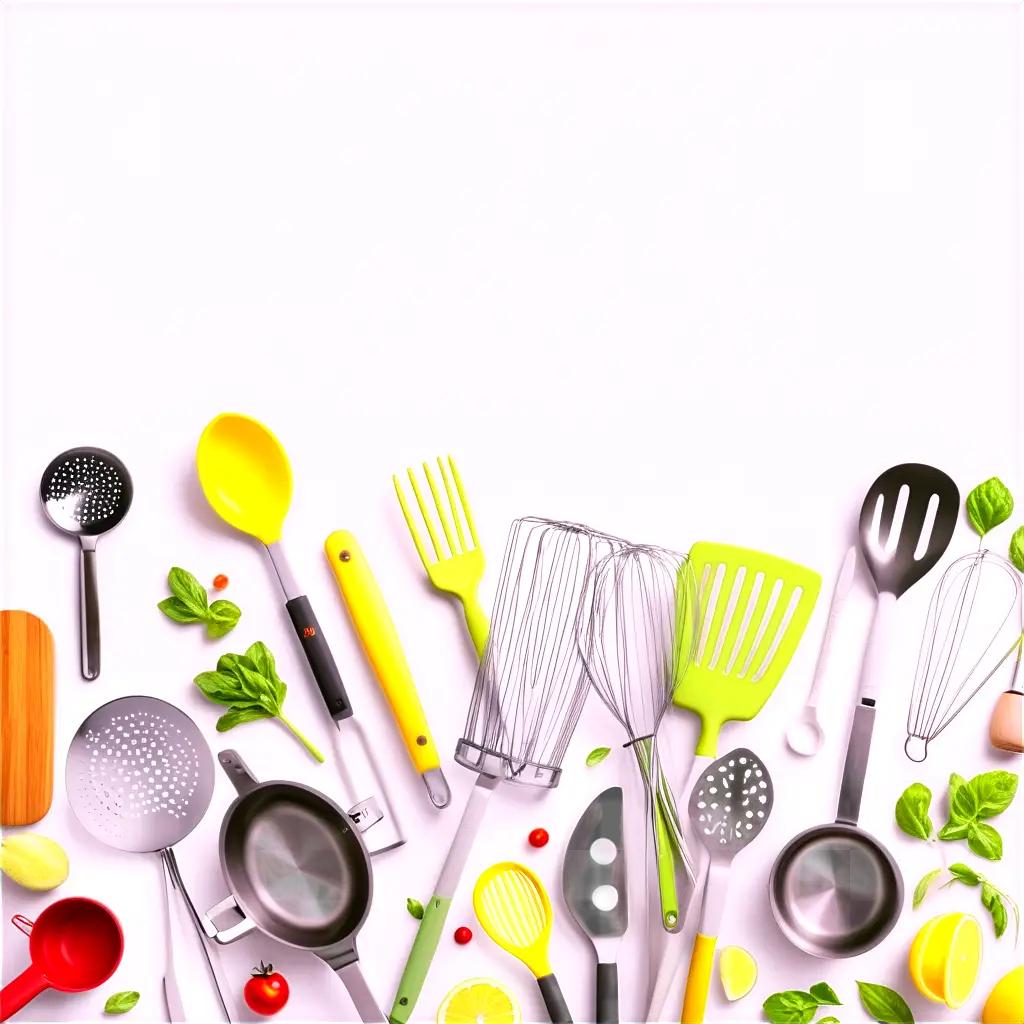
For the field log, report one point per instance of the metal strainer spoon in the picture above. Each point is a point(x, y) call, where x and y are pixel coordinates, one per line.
point(729, 806)
point(86, 492)
point(140, 778)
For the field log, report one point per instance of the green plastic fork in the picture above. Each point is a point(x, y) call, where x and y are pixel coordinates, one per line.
point(458, 568)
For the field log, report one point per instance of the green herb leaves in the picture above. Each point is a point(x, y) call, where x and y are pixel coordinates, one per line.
point(189, 603)
point(1017, 548)
point(249, 686)
point(121, 1002)
point(988, 505)
point(984, 796)
point(415, 908)
point(993, 899)
point(883, 1004)
point(597, 755)
point(796, 1007)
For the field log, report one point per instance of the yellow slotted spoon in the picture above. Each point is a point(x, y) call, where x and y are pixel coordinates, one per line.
point(513, 907)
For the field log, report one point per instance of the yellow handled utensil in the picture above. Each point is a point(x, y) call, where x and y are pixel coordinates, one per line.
point(377, 633)
point(513, 907)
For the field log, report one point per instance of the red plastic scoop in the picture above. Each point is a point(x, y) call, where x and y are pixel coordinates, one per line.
point(75, 945)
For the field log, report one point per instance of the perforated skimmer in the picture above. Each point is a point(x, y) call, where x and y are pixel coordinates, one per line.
point(86, 492)
point(140, 778)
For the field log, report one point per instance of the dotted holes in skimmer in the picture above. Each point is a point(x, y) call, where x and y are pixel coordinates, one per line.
point(732, 800)
point(86, 489)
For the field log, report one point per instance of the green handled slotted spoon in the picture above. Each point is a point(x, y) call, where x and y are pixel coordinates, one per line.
point(753, 610)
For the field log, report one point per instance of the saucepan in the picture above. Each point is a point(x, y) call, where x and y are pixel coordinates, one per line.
point(298, 872)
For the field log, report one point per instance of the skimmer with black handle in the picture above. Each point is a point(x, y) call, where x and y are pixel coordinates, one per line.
point(86, 492)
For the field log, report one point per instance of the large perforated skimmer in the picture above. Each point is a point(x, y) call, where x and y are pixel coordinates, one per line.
point(86, 492)
point(729, 807)
point(139, 778)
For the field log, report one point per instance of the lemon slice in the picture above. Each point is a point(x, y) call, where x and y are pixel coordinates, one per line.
point(962, 962)
point(738, 971)
point(921, 964)
point(479, 1001)
point(945, 957)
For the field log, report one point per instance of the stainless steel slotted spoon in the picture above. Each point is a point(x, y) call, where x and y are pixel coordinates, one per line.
point(86, 492)
point(139, 778)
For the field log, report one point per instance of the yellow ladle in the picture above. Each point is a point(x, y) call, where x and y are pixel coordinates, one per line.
point(247, 479)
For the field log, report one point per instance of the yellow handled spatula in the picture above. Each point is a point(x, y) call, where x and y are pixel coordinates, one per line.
point(383, 649)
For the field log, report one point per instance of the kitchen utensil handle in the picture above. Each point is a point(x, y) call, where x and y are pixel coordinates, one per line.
point(89, 603)
point(224, 936)
point(558, 1012)
point(698, 980)
point(873, 665)
point(428, 935)
point(1006, 729)
point(318, 654)
point(607, 1003)
point(844, 581)
point(187, 945)
point(477, 622)
point(21, 990)
point(382, 646)
point(666, 869)
point(237, 771)
point(365, 1004)
point(855, 768)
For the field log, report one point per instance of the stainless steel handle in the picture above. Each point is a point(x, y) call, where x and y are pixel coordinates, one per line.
point(856, 766)
point(237, 771)
point(224, 936)
point(365, 1004)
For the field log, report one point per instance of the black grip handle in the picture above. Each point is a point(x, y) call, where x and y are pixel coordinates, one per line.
point(607, 994)
point(321, 661)
point(554, 1000)
point(90, 615)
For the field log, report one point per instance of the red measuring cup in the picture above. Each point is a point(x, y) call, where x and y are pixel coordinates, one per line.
point(74, 944)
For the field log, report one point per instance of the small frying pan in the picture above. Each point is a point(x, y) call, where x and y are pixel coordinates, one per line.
point(298, 871)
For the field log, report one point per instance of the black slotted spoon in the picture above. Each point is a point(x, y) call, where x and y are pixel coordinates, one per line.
point(86, 492)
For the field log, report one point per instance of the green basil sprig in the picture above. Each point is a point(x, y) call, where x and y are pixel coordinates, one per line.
point(988, 505)
point(993, 899)
point(188, 603)
point(798, 1007)
point(249, 686)
point(597, 755)
point(883, 1004)
point(121, 1002)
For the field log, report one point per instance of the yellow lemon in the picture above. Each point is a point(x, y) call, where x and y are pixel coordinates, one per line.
point(1005, 1004)
point(479, 1001)
point(738, 971)
point(945, 957)
point(33, 861)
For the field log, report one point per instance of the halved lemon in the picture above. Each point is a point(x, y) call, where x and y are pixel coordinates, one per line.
point(479, 1001)
point(945, 957)
point(738, 971)
point(1005, 1004)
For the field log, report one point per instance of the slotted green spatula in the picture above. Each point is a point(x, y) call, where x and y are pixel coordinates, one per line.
point(753, 610)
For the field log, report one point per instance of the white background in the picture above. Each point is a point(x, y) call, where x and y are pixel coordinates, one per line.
point(680, 272)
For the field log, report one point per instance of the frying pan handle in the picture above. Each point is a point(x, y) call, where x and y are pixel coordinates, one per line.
point(318, 654)
point(23, 989)
point(607, 1005)
point(226, 935)
point(365, 1004)
point(554, 1000)
point(237, 771)
point(856, 766)
point(89, 601)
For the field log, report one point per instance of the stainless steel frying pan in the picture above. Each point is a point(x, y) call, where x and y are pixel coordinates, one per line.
point(298, 871)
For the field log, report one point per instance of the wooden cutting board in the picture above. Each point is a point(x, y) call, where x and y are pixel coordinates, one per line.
point(26, 718)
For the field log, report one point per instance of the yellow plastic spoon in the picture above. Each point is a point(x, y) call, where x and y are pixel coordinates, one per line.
point(246, 477)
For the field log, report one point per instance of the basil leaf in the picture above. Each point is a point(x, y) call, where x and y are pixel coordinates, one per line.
point(791, 1007)
point(176, 611)
point(260, 656)
point(825, 995)
point(188, 590)
point(922, 887)
point(829, 1020)
point(883, 1004)
point(222, 617)
point(912, 811)
point(963, 801)
point(988, 505)
point(241, 715)
point(597, 755)
point(415, 908)
point(949, 831)
point(221, 689)
point(984, 840)
point(993, 792)
point(1017, 548)
point(992, 901)
point(964, 874)
point(121, 1002)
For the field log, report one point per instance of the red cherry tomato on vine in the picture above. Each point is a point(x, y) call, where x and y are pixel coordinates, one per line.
point(266, 991)
point(539, 837)
point(463, 935)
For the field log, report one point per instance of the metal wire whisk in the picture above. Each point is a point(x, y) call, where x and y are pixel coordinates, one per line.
point(975, 610)
point(638, 635)
point(530, 690)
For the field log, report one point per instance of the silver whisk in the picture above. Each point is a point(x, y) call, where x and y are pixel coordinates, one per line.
point(530, 690)
point(636, 640)
point(976, 607)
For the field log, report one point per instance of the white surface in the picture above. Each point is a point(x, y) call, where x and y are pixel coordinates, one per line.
point(679, 272)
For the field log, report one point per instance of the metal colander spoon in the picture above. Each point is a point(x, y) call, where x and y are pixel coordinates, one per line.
point(86, 492)
point(139, 777)
point(729, 806)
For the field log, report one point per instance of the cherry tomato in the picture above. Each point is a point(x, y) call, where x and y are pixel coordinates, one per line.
point(463, 935)
point(266, 991)
point(539, 837)
point(220, 581)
